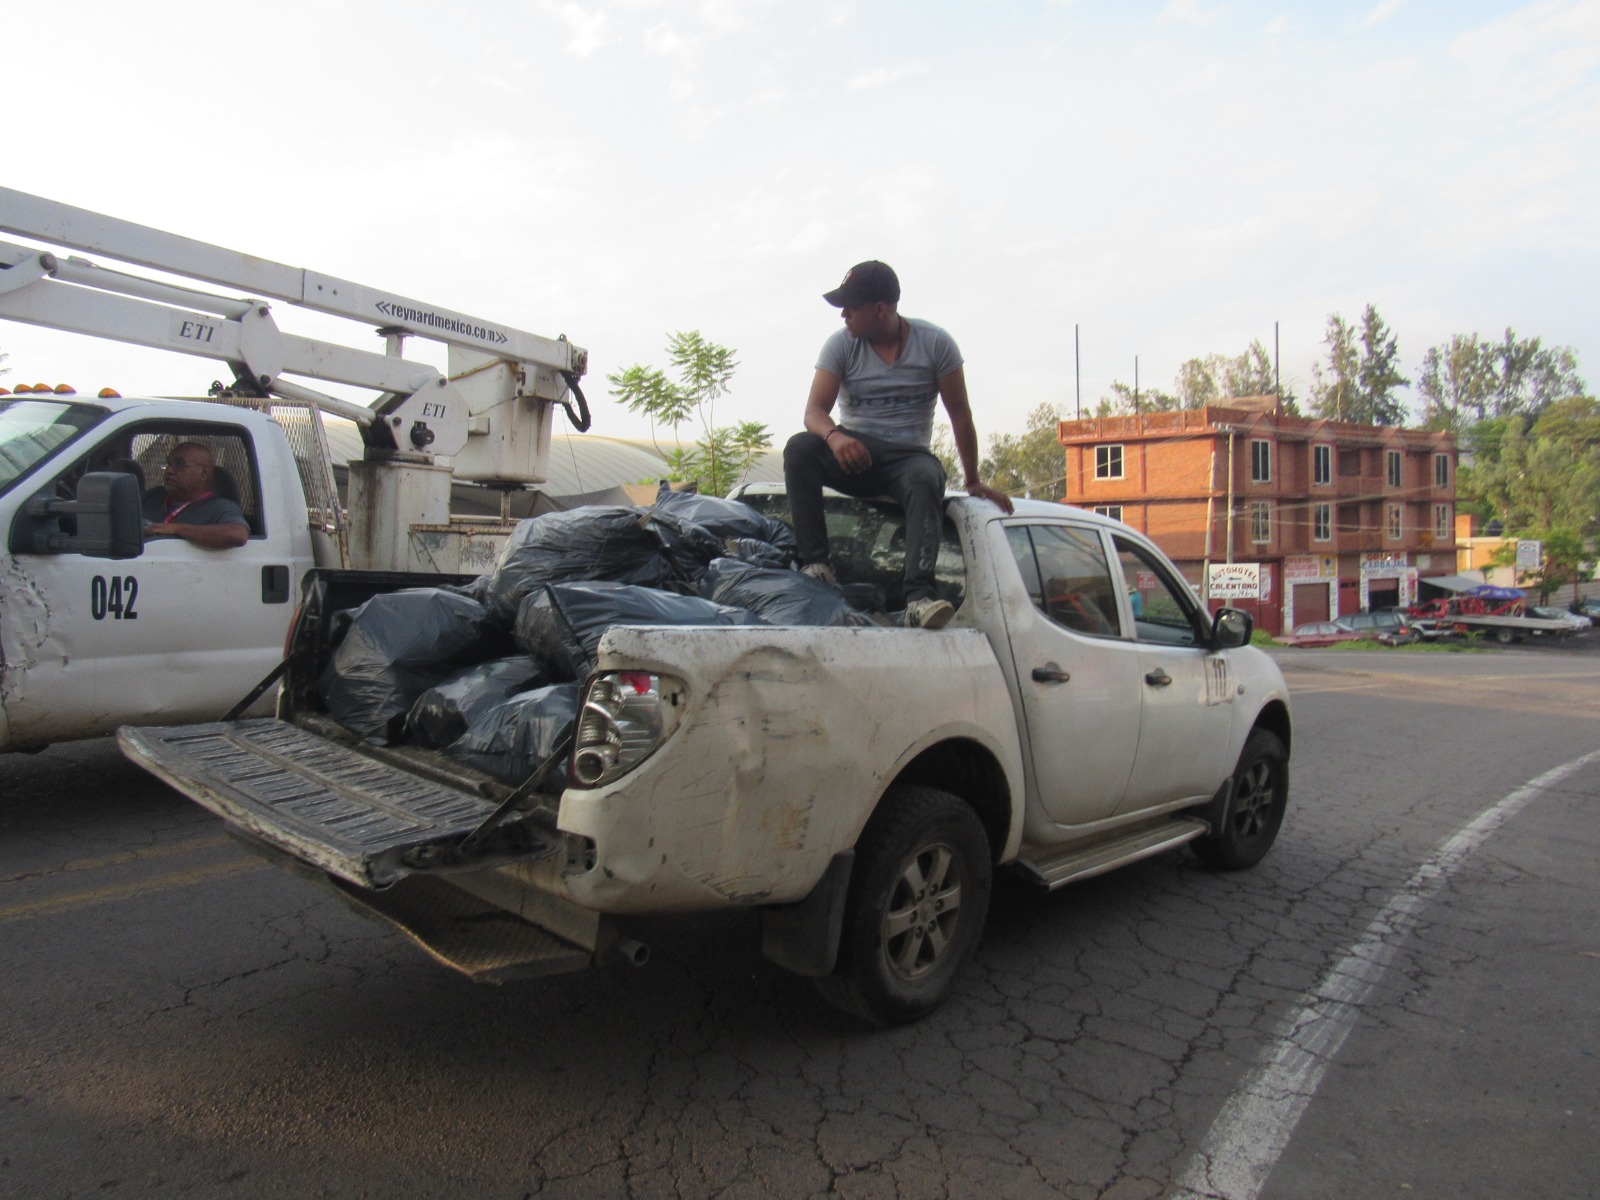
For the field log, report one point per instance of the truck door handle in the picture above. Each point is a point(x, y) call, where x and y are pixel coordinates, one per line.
point(1158, 678)
point(1050, 673)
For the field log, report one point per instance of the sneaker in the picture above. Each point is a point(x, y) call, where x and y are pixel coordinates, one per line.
point(821, 572)
point(932, 613)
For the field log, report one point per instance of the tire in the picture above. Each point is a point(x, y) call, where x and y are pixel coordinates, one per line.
point(1256, 804)
point(1505, 636)
point(922, 867)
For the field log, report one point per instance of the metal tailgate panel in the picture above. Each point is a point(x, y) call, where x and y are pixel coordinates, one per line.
point(318, 801)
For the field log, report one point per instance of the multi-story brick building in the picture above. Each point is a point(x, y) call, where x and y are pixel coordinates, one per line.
point(1339, 517)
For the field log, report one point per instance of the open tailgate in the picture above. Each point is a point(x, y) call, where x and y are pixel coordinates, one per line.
point(364, 821)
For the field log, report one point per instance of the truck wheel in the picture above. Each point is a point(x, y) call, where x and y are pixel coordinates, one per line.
point(1505, 636)
point(918, 897)
point(1256, 802)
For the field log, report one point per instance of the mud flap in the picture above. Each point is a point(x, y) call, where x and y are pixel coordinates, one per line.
point(804, 937)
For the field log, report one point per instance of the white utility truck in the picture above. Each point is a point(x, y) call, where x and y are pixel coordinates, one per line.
point(99, 628)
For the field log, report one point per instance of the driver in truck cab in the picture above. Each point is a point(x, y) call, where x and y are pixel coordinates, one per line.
point(188, 506)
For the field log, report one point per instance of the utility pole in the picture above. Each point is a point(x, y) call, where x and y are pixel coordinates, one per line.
point(1277, 368)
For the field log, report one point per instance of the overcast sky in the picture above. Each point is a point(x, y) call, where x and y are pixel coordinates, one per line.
point(1173, 178)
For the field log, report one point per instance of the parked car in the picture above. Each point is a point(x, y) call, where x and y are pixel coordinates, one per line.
point(1319, 633)
point(1548, 612)
point(1371, 624)
point(1589, 607)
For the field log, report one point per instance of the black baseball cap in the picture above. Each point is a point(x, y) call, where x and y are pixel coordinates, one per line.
point(866, 283)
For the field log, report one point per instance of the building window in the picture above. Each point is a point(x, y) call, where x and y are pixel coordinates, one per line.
point(1321, 464)
point(1391, 513)
point(1441, 470)
point(1114, 511)
point(1260, 462)
point(1393, 459)
point(1108, 462)
point(1322, 522)
point(1441, 523)
point(1260, 521)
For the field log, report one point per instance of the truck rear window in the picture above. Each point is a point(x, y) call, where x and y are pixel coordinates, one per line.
point(867, 545)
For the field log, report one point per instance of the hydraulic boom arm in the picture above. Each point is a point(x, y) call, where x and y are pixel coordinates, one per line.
point(490, 414)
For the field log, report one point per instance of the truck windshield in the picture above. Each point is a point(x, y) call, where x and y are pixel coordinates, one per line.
point(32, 430)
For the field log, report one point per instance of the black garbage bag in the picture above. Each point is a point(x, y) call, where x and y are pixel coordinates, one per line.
point(477, 590)
point(778, 597)
point(607, 542)
point(398, 645)
point(757, 553)
point(561, 624)
point(510, 739)
point(443, 712)
point(687, 547)
point(864, 597)
point(724, 518)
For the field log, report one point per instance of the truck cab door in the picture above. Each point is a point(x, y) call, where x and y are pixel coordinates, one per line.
point(178, 634)
point(1077, 676)
point(1186, 688)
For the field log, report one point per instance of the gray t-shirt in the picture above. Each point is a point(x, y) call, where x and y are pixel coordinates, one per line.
point(893, 402)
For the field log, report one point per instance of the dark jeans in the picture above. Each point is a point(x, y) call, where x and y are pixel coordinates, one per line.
point(910, 476)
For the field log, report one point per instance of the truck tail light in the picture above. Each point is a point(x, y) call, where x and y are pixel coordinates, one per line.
point(625, 715)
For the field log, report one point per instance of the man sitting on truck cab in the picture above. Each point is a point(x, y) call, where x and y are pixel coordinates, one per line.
point(187, 506)
point(884, 372)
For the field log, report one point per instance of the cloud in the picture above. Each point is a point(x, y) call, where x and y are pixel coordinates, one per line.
point(884, 76)
point(1380, 14)
point(1188, 11)
point(589, 28)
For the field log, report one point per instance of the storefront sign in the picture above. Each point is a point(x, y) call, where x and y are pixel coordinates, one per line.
point(1305, 568)
point(1235, 581)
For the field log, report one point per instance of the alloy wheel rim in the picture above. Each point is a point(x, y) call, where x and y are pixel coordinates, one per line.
point(923, 912)
point(1255, 800)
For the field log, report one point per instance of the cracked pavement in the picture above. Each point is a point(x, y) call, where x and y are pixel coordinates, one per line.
point(181, 1019)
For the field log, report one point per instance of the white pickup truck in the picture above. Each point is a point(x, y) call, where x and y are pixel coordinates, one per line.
point(857, 786)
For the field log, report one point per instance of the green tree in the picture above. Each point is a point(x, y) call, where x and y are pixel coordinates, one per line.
point(1468, 380)
point(721, 455)
point(1542, 474)
point(1031, 463)
point(1379, 374)
point(1217, 378)
point(1123, 402)
point(1361, 377)
point(1563, 560)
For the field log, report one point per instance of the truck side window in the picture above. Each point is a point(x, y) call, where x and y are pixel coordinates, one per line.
point(1067, 576)
point(234, 474)
point(1163, 610)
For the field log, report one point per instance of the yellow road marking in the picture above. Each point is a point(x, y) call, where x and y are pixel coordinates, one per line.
point(107, 895)
point(127, 856)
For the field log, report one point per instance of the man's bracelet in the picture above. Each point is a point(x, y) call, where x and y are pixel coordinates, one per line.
point(831, 432)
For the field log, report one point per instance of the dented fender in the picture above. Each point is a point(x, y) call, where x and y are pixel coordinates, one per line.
point(789, 738)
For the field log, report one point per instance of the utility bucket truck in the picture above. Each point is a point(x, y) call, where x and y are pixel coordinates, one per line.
point(99, 628)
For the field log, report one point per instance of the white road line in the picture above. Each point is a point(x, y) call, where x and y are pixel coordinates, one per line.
point(1255, 1125)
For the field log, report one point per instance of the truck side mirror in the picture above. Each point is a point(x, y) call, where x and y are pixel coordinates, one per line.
point(1231, 628)
point(106, 520)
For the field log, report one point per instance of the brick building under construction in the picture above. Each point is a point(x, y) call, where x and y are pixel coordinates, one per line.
point(1338, 517)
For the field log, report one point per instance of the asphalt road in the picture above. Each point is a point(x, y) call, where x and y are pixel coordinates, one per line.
point(1398, 1002)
